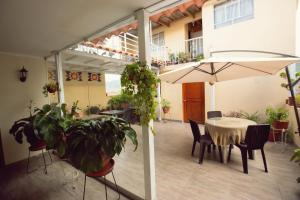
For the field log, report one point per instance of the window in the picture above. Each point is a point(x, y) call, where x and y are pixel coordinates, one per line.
point(112, 84)
point(158, 39)
point(233, 11)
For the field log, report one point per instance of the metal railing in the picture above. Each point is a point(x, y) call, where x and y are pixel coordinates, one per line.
point(194, 47)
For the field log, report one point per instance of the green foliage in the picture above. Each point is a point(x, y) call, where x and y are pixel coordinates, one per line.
point(93, 110)
point(183, 57)
point(284, 76)
point(296, 159)
point(140, 83)
point(51, 87)
point(165, 103)
point(91, 141)
point(116, 102)
point(199, 57)
point(52, 121)
point(274, 114)
point(250, 116)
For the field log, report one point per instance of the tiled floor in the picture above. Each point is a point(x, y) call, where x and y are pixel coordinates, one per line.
point(63, 182)
point(179, 176)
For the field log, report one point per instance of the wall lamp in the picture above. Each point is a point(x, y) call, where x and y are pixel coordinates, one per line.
point(23, 74)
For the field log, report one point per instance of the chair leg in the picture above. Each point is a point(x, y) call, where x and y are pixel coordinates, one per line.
point(84, 186)
point(112, 172)
point(264, 159)
point(202, 150)
point(50, 157)
point(193, 148)
point(250, 154)
point(27, 170)
point(220, 154)
point(105, 187)
point(245, 160)
point(209, 148)
point(44, 161)
point(214, 147)
point(229, 152)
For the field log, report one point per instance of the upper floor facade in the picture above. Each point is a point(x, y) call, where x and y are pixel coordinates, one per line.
point(194, 30)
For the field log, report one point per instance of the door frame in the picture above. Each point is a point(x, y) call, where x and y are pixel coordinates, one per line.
point(185, 118)
point(2, 161)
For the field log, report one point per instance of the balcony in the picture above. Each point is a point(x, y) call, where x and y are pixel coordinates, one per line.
point(125, 47)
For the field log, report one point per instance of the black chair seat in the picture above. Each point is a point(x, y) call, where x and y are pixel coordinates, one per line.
point(204, 140)
point(256, 138)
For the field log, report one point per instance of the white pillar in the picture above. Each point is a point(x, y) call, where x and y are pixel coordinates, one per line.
point(148, 138)
point(159, 99)
point(212, 97)
point(297, 53)
point(60, 77)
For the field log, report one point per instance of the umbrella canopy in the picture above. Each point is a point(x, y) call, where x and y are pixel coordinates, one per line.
point(222, 69)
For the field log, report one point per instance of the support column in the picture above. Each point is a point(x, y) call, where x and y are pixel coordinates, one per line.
point(60, 77)
point(159, 99)
point(212, 97)
point(148, 138)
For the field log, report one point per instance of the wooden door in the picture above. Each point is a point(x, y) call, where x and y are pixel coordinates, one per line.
point(193, 95)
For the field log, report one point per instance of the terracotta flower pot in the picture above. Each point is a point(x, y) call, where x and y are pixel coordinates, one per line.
point(51, 89)
point(278, 124)
point(166, 109)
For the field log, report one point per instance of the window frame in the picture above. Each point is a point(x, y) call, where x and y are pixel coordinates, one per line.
point(234, 20)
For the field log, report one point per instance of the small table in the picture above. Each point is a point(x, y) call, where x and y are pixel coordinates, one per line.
point(227, 130)
point(115, 113)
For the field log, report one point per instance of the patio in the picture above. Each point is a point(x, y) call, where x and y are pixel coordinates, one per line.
point(179, 176)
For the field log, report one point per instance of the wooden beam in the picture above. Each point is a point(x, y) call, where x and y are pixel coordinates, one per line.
point(71, 57)
point(89, 61)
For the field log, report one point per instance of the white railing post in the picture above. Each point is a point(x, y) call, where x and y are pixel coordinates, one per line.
point(60, 77)
point(125, 42)
point(148, 138)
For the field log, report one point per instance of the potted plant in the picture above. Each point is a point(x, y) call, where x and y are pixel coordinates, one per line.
point(51, 88)
point(277, 118)
point(92, 143)
point(24, 127)
point(289, 101)
point(166, 105)
point(183, 57)
point(93, 110)
point(52, 121)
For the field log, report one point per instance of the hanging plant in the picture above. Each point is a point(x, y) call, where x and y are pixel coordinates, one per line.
point(51, 88)
point(140, 82)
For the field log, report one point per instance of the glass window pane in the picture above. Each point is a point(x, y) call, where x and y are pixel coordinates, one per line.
point(112, 84)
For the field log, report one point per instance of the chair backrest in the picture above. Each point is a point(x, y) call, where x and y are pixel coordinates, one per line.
point(257, 136)
point(212, 114)
point(195, 130)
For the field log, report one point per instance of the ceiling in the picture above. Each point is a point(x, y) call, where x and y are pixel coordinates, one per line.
point(35, 27)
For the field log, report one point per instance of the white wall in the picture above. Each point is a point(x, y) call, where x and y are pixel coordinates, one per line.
point(15, 97)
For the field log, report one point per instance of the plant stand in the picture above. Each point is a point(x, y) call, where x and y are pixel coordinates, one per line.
point(38, 148)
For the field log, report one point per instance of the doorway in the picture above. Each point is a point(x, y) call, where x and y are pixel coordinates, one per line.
point(193, 96)
point(2, 162)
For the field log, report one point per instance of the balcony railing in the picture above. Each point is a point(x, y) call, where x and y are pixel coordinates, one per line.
point(127, 45)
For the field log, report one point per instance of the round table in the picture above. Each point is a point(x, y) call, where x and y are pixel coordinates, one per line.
point(227, 130)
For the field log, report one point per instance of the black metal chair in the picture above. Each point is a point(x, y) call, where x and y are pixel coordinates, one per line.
point(212, 114)
point(256, 138)
point(203, 140)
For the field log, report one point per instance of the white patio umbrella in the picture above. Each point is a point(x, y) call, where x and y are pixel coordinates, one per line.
point(226, 68)
point(222, 69)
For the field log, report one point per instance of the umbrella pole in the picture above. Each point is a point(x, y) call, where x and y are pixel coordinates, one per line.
point(291, 87)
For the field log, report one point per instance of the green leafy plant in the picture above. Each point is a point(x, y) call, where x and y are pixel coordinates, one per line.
point(93, 110)
point(183, 57)
point(140, 83)
point(51, 87)
point(199, 57)
point(52, 121)
point(284, 76)
point(296, 159)
point(118, 101)
point(24, 127)
point(251, 116)
point(279, 114)
point(165, 103)
point(92, 142)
